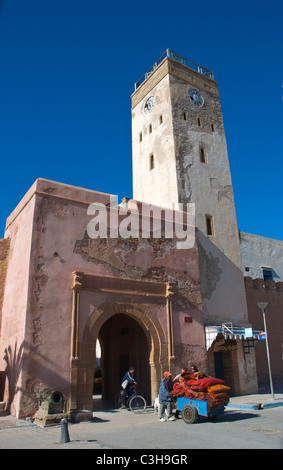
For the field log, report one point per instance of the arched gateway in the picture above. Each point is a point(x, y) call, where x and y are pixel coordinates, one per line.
point(136, 313)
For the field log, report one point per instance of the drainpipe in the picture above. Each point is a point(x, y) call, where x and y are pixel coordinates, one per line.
point(169, 297)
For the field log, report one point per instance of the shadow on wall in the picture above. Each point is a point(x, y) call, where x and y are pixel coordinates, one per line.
point(35, 369)
point(13, 359)
point(222, 285)
point(224, 300)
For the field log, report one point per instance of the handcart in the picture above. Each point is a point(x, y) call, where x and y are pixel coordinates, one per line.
point(191, 409)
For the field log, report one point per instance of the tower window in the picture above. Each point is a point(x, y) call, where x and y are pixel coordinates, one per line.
point(151, 162)
point(185, 116)
point(209, 225)
point(202, 154)
point(140, 137)
point(199, 122)
point(160, 119)
point(212, 127)
point(150, 128)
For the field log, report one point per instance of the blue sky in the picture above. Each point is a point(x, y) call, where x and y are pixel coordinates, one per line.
point(68, 68)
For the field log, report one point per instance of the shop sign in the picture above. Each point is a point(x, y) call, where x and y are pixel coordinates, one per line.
point(248, 333)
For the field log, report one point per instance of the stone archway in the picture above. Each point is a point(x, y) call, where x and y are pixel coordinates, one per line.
point(123, 344)
point(96, 299)
point(158, 348)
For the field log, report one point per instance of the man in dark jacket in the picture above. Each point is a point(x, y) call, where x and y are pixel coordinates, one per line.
point(127, 383)
point(165, 388)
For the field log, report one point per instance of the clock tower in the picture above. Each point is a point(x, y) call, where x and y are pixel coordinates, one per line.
point(180, 156)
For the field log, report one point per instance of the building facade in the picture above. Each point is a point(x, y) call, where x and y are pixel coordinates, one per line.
point(261, 257)
point(263, 273)
point(70, 276)
point(140, 297)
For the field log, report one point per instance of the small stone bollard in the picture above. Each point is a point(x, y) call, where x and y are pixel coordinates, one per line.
point(64, 432)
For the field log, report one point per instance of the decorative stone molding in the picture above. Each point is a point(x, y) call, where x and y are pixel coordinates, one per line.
point(162, 354)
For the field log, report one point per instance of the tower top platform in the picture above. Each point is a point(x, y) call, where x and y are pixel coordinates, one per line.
point(172, 55)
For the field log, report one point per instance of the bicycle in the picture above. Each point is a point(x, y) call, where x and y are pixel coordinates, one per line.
point(134, 402)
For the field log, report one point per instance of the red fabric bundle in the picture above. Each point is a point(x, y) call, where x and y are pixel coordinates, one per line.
point(179, 387)
point(182, 390)
point(202, 384)
point(199, 389)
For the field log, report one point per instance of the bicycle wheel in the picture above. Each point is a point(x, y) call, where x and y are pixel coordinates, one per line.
point(137, 404)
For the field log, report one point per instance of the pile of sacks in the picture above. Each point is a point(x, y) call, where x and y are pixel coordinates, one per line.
point(199, 387)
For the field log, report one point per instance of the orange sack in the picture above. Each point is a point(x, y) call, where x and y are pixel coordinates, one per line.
point(218, 388)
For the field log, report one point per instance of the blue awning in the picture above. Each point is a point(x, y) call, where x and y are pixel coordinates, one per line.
point(230, 332)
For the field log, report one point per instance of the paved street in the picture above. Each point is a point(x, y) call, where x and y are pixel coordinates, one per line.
point(242, 428)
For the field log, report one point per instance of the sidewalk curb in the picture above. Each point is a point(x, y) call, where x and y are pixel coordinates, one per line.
point(258, 406)
point(272, 405)
point(243, 407)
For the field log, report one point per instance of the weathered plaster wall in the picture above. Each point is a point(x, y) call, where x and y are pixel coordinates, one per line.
point(4, 253)
point(59, 219)
point(238, 368)
point(258, 290)
point(180, 177)
point(160, 187)
point(260, 251)
point(209, 186)
point(55, 244)
point(15, 302)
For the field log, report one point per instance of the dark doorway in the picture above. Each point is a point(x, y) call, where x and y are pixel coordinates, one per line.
point(218, 366)
point(124, 365)
point(97, 382)
point(124, 344)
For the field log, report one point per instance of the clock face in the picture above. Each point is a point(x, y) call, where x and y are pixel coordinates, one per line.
point(149, 104)
point(196, 97)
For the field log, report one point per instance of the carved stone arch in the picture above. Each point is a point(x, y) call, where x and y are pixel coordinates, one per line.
point(149, 323)
point(158, 346)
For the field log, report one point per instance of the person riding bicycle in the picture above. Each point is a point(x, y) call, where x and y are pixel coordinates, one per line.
point(127, 383)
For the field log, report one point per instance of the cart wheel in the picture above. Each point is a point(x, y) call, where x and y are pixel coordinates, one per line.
point(189, 414)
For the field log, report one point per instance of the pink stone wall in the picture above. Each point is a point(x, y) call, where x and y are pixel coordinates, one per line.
point(258, 290)
point(15, 302)
point(48, 242)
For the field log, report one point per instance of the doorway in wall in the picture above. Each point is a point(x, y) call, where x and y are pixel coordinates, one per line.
point(123, 344)
point(218, 365)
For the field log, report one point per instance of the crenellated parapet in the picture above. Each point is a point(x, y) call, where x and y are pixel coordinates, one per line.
point(261, 284)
